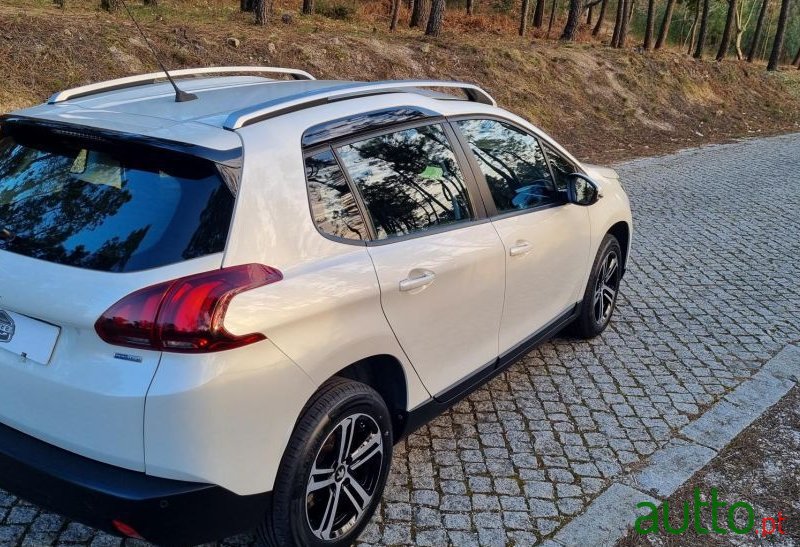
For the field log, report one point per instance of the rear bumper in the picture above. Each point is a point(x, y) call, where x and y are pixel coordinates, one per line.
point(163, 511)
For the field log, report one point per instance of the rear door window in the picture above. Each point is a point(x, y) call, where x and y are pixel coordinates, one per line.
point(94, 208)
point(409, 180)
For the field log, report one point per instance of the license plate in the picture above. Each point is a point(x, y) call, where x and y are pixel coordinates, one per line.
point(30, 338)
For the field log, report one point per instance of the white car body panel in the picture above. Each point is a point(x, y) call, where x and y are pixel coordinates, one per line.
point(448, 328)
point(224, 419)
point(547, 280)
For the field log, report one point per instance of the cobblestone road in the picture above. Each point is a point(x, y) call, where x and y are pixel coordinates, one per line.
point(712, 292)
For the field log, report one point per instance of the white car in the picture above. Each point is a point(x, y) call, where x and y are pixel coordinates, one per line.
point(221, 313)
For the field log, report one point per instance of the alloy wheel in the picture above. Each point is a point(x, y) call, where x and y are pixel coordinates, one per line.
point(605, 292)
point(344, 477)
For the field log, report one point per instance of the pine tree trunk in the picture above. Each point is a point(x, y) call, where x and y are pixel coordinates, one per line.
point(262, 10)
point(600, 17)
point(419, 13)
point(618, 23)
point(623, 31)
point(650, 25)
point(725, 43)
point(767, 33)
point(308, 7)
point(435, 19)
point(777, 44)
point(523, 17)
point(246, 5)
point(395, 15)
point(108, 5)
point(663, 33)
point(751, 54)
point(739, 33)
point(552, 17)
point(797, 58)
point(701, 37)
point(470, 7)
point(589, 14)
point(538, 14)
point(693, 28)
point(573, 20)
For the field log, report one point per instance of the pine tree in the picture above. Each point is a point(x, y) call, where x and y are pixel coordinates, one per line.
point(436, 18)
point(663, 34)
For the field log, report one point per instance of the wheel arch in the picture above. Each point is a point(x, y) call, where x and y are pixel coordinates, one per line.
point(385, 374)
point(622, 231)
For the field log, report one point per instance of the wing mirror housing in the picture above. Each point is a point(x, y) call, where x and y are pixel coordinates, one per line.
point(581, 190)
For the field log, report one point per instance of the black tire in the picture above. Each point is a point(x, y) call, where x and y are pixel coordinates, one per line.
point(589, 322)
point(298, 513)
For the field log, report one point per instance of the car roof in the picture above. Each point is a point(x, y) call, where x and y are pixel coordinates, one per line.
point(141, 106)
point(151, 109)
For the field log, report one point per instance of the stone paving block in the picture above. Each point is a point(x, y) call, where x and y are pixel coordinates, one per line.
point(670, 467)
point(719, 425)
point(605, 519)
point(786, 364)
point(760, 392)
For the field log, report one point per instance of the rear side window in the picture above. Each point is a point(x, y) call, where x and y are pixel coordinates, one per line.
point(333, 205)
point(409, 181)
point(94, 208)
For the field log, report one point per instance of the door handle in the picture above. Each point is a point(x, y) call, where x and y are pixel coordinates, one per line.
point(520, 248)
point(420, 279)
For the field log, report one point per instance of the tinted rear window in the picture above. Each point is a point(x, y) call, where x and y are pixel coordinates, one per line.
point(104, 208)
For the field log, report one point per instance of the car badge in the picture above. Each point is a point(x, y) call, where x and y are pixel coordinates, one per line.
point(6, 327)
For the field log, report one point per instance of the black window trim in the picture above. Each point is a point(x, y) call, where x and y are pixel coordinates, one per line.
point(480, 213)
point(557, 153)
point(358, 124)
point(486, 194)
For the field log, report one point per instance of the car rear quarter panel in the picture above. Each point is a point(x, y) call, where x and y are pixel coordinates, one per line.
point(224, 418)
point(326, 312)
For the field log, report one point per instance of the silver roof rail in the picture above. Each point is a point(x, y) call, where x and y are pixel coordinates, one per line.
point(350, 90)
point(153, 77)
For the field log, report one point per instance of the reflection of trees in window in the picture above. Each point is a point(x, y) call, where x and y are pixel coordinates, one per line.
point(512, 162)
point(409, 180)
point(333, 205)
point(111, 256)
point(209, 238)
point(64, 206)
point(43, 206)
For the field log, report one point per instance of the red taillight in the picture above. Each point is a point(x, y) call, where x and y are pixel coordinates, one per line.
point(185, 315)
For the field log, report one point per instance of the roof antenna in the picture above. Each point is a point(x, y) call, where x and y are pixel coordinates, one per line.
point(180, 96)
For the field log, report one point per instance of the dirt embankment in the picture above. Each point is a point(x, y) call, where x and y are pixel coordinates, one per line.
point(603, 104)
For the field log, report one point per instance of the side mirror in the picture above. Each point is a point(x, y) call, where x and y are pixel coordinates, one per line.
point(581, 190)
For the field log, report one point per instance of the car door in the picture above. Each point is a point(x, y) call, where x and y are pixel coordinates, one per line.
point(546, 239)
point(440, 263)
